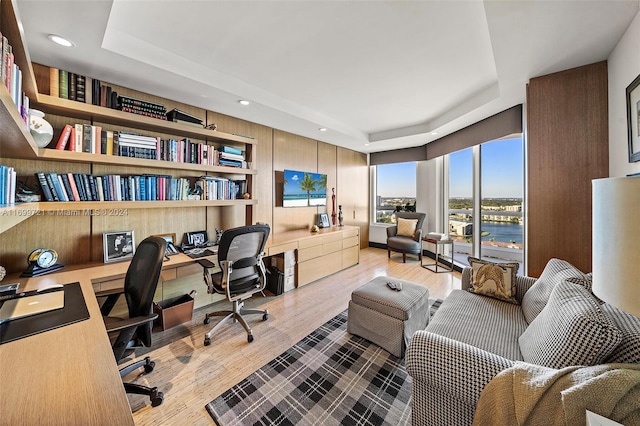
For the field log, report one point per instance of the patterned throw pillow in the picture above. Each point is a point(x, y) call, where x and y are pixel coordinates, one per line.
point(629, 348)
point(570, 330)
point(537, 296)
point(497, 280)
point(407, 227)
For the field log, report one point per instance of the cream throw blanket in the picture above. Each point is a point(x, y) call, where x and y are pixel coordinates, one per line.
point(528, 394)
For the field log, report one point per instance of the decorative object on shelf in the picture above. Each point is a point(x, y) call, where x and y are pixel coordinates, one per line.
point(40, 128)
point(333, 206)
point(3, 273)
point(212, 126)
point(314, 228)
point(633, 119)
point(25, 193)
point(246, 196)
point(118, 246)
point(340, 217)
point(41, 261)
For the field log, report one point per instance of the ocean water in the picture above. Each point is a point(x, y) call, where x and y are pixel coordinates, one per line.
point(504, 232)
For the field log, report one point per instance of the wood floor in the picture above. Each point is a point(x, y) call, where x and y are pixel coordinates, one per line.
point(191, 375)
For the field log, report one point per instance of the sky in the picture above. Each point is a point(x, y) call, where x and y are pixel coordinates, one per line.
point(502, 173)
point(501, 170)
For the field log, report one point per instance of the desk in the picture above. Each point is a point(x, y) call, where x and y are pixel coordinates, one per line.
point(67, 376)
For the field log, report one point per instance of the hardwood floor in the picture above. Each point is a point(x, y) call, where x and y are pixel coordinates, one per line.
point(191, 375)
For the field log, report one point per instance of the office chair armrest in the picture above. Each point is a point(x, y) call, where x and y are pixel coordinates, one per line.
point(131, 322)
point(112, 296)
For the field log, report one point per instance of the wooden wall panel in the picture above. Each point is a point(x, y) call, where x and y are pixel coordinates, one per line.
point(327, 164)
point(296, 153)
point(353, 190)
point(567, 147)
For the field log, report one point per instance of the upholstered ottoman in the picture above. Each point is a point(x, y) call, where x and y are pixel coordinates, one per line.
point(387, 317)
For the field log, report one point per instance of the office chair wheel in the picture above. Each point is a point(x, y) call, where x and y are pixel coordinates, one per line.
point(148, 368)
point(265, 317)
point(250, 338)
point(156, 398)
point(207, 341)
point(207, 320)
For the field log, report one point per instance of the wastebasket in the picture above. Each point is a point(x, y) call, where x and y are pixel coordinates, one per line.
point(275, 281)
point(174, 311)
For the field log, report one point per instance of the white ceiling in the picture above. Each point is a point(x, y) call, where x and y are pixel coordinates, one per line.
point(378, 75)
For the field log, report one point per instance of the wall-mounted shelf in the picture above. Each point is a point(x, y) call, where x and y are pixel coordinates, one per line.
point(96, 113)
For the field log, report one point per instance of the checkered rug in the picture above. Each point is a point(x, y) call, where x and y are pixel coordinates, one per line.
point(328, 378)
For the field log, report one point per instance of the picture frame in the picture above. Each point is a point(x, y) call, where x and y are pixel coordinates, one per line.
point(118, 246)
point(169, 238)
point(633, 119)
point(324, 221)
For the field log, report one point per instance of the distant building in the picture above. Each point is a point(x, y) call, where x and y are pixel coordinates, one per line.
point(460, 228)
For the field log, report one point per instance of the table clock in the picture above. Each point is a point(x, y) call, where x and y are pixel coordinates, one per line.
point(41, 261)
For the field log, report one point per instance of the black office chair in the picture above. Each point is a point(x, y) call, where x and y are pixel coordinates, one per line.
point(242, 274)
point(134, 332)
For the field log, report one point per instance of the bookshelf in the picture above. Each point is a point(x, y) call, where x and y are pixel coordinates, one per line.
point(17, 143)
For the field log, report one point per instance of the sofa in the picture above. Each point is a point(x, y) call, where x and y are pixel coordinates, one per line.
point(552, 322)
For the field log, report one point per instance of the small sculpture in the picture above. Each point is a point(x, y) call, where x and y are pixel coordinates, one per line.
point(333, 206)
point(340, 217)
point(314, 228)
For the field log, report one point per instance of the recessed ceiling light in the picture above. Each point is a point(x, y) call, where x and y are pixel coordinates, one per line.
point(323, 129)
point(367, 144)
point(243, 102)
point(434, 133)
point(60, 40)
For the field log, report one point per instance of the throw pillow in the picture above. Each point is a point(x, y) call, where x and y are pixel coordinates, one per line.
point(497, 280)
point(628, 350)
point(570, 330)
point(537, 296)
point(407, 227)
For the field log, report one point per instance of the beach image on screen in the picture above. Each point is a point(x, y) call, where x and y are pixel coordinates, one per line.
point(304, 189)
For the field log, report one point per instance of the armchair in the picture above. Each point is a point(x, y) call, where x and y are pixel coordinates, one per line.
point(242, 274)
point(405, 237)
point(127, 334)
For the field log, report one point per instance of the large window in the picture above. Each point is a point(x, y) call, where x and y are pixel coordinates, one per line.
point(395, 190)
point(492, 229)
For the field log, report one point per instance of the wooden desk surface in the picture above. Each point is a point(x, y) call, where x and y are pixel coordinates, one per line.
point(66, 376)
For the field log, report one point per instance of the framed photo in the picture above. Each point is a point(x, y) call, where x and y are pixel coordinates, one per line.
point(118, 246)
point(633, 119)
point(324, 221)
point(169, 238)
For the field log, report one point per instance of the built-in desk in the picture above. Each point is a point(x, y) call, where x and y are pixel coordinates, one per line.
point(318, 254)
point(68, 376)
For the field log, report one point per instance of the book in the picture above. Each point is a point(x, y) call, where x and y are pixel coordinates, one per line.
point(63, 84)
point(86, 138)
point(44, 187)
point(63, 140)
point(88, 90)
point(95, 91)
point(79, 134)
point(176, 114)
point(54, 82)
point(80, 186)
point(67, 187)
point(231, 150)
point(73, 81)
point(81, 88)
point(5, 57)
point(109, 148)
point(74, 188)
point(54, 193)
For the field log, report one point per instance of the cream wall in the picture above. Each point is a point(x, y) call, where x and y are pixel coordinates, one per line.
point(623, 68)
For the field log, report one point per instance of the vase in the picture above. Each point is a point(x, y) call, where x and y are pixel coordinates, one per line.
point(40, 129)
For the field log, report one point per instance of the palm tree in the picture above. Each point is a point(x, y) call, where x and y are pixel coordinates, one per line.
point(308, 184)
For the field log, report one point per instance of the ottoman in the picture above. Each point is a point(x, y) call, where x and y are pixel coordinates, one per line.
point(387, 317)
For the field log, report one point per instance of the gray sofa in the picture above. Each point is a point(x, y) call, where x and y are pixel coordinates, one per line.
point(472, 338)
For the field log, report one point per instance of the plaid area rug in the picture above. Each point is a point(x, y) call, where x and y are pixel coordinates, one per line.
point(328, 378)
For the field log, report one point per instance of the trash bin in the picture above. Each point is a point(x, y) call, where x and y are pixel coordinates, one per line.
point(174, 311)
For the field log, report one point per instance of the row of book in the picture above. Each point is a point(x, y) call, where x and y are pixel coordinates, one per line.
point(87, 187)
point(95, 140)
point(7, 185)
point(11, 77)
point(76, 87)
point(142, 107)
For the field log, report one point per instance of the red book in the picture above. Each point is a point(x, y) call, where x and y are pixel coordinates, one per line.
point(64, 137)
point(72, 145)
point(74, 188)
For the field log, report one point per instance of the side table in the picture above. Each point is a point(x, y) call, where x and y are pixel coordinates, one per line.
point(440, 245)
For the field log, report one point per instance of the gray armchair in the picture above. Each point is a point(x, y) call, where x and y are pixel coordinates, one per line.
point(406, 244)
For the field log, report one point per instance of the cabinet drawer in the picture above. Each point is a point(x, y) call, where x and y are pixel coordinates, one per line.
point(319, 267)
point(281, 248)
point(350, 256)
point(183, 271)
point(112, 284)
point(350, 233)
point(350, 242)
point(309, 253)
point(332, 247)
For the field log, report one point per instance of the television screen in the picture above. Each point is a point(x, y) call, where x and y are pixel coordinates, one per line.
point(304, 189)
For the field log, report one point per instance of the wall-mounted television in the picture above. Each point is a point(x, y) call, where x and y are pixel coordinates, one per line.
point(304, 189)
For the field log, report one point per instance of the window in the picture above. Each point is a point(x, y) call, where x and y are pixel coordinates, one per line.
point(395, 190)
point(493, 229)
